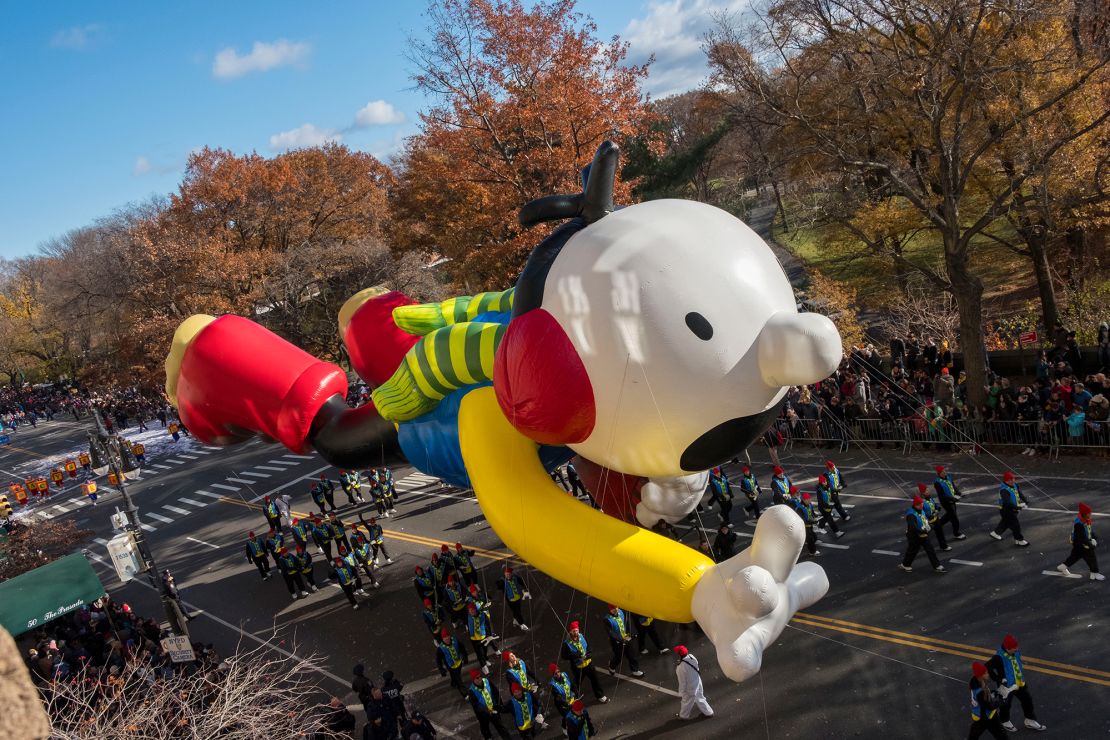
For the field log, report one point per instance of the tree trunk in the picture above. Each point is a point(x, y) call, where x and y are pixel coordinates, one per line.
point(1077, 249)
point(967, 289)
point(1045, 287)
point(780, 208)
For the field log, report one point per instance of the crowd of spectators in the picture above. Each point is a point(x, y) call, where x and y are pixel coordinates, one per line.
point(122, 407)
point(916, 393)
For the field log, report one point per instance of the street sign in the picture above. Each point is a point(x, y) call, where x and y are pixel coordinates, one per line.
point(119, 520)
point(1028, 337)
point(179, 649)
point(125, 557)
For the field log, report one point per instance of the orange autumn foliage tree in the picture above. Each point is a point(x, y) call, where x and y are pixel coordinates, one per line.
point(523, 97)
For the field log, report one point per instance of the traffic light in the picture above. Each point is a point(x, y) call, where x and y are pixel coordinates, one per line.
point(5, 507)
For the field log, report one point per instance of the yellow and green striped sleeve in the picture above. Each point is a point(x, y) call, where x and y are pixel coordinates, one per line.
point(442, 361)
point(424, 318)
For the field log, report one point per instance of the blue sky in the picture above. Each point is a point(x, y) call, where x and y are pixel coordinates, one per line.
point(104, 101)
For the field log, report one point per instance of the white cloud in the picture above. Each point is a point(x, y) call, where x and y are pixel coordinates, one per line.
point(303, 136)
point(378, 113)
point(673, 31)
point(142, 167)
point(263, 56)
point(77, 37)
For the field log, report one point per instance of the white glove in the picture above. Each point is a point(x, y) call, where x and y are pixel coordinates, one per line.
point(670, 498)
point(1094, 542)
point(744, 603)
point(526, 595)
point(1004, 691)
point(1022, 505)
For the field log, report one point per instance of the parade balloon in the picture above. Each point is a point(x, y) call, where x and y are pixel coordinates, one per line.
point(653, 342)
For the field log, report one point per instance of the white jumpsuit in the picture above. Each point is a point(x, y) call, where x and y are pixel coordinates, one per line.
point(689, 688)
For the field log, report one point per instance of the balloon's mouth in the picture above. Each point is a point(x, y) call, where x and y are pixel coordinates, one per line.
point(726, 440)
point(616, 493)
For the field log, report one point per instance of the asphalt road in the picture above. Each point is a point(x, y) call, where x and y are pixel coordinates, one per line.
point(885, 654)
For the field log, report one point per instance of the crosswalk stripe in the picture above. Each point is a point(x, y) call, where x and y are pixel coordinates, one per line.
point(100, 541)
point(272, 469)
point(175, 509)
point(147, 528)
point(299, 457)
point(214, 496)
point(61, 509)
point(222, 487)
point(210, 447)
point(233, 480)
point(45, 515)
point(148, 471)
point(202, 452)
point(188, 457)
point(193, 502)
point(95, 557)
point(175, 461)
point(160, 518)
point(1058, 574)
point(886, 552)
point(80, 502)
point(975, 563)
point(283, 462)
point(163, 467)
point(256, 475)
point(834, 546)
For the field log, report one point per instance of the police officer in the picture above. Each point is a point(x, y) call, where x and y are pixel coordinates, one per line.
point(577, 722)
point(984, 705)
point(515, 594)
point(948, 494)
point(563, 690)
point(273, 516)
point(290, 571)
point(375, 535)
point(619, 628)
point(486, 703)
point(342, 574)
point(464, 565)
point(645, 627)
point(304, 566)
point(1009, 504)
point(825, 505)
point(450, 657)
point(780, 486)
point(836, 483)
point(576, 649)
point(932, 515)
point(1083, 544)
point(256, 553)
point(917, 537)
point(750, 486)
point(1006, 669)
point(721, 492)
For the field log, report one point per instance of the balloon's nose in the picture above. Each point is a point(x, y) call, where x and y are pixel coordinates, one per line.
point(798, 348)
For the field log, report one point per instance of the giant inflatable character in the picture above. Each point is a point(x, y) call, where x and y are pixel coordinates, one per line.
point(653, 342)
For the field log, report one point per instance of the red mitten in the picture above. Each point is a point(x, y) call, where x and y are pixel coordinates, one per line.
point(229, 374)
point(374, 343)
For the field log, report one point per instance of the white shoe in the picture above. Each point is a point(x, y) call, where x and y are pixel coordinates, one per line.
point(392, 511)
point(940, 569)
point(907, 568)
point(611, 671)
point(664, 651)
point(1021, 543)
point(840, 534)
point(304, 593)
point(1009, 727)
point(377, 561)
point(355, 606)
point(295, 597)
point(525, 627)
point(1033, 724)
point(1097, 577)
point(644, 651)
point(516, 623)
point(389, 560)
point(314, 589)
point(485, 670)
point(946, 548)
point(1063, 569)
point(603, 700)
point(960, 536)
point(377, 584)
point(996, 536)
point(637, 674)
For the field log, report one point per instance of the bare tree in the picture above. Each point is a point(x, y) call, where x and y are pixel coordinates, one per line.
point(250, 695)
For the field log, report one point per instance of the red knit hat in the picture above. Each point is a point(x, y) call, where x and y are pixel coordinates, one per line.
point(921, 487)
point(515, 688)
point(475, 674)
point(793, 489)
point(573, 626)
point(428, 603)
point(1008, 476)
point(552, 668)
point(577, 706)
point(1084, 511)
point(745, 470)
point(918, 502)
point(474, 588)
point(830, 464)
point(777, 470)
point(978, 669)
point(445, 633)
point(822, 478)
point(805, 497)
point(443, 548)
point(1009, 643)
point(681, 651)
point(939, 469)
point(458, 546)
point(506, 656)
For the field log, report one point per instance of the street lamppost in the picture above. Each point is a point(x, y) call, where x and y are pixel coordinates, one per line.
point(111, 452)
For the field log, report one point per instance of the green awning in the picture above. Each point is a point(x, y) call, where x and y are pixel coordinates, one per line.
point(34, 598)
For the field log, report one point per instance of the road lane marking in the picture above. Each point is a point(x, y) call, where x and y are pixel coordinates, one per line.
point(214, 496)
point(271, 469)
point(834, 546)
point(222, 487)
point(975, 563)
point(176, 510)
point(160, 518)
point(234, 480)
point(193, 502)
point(209, 544)
point(300, 457)
point(886, 552)
point(1058, 574)
point(255, 475)
point(100, 541)
point(173, 461)
point(201, 452)
point(95, 557)
point(61, 509)
point(147, 528)
point(188, 457)
point(163, 467)
point(283, 462)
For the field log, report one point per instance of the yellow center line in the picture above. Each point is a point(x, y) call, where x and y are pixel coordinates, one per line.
point(975, 653)
point(29, 452)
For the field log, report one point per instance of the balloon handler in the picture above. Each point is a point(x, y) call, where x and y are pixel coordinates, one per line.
point(651, 342)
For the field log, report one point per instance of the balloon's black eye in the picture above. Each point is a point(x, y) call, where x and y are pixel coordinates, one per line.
point(699, 325)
